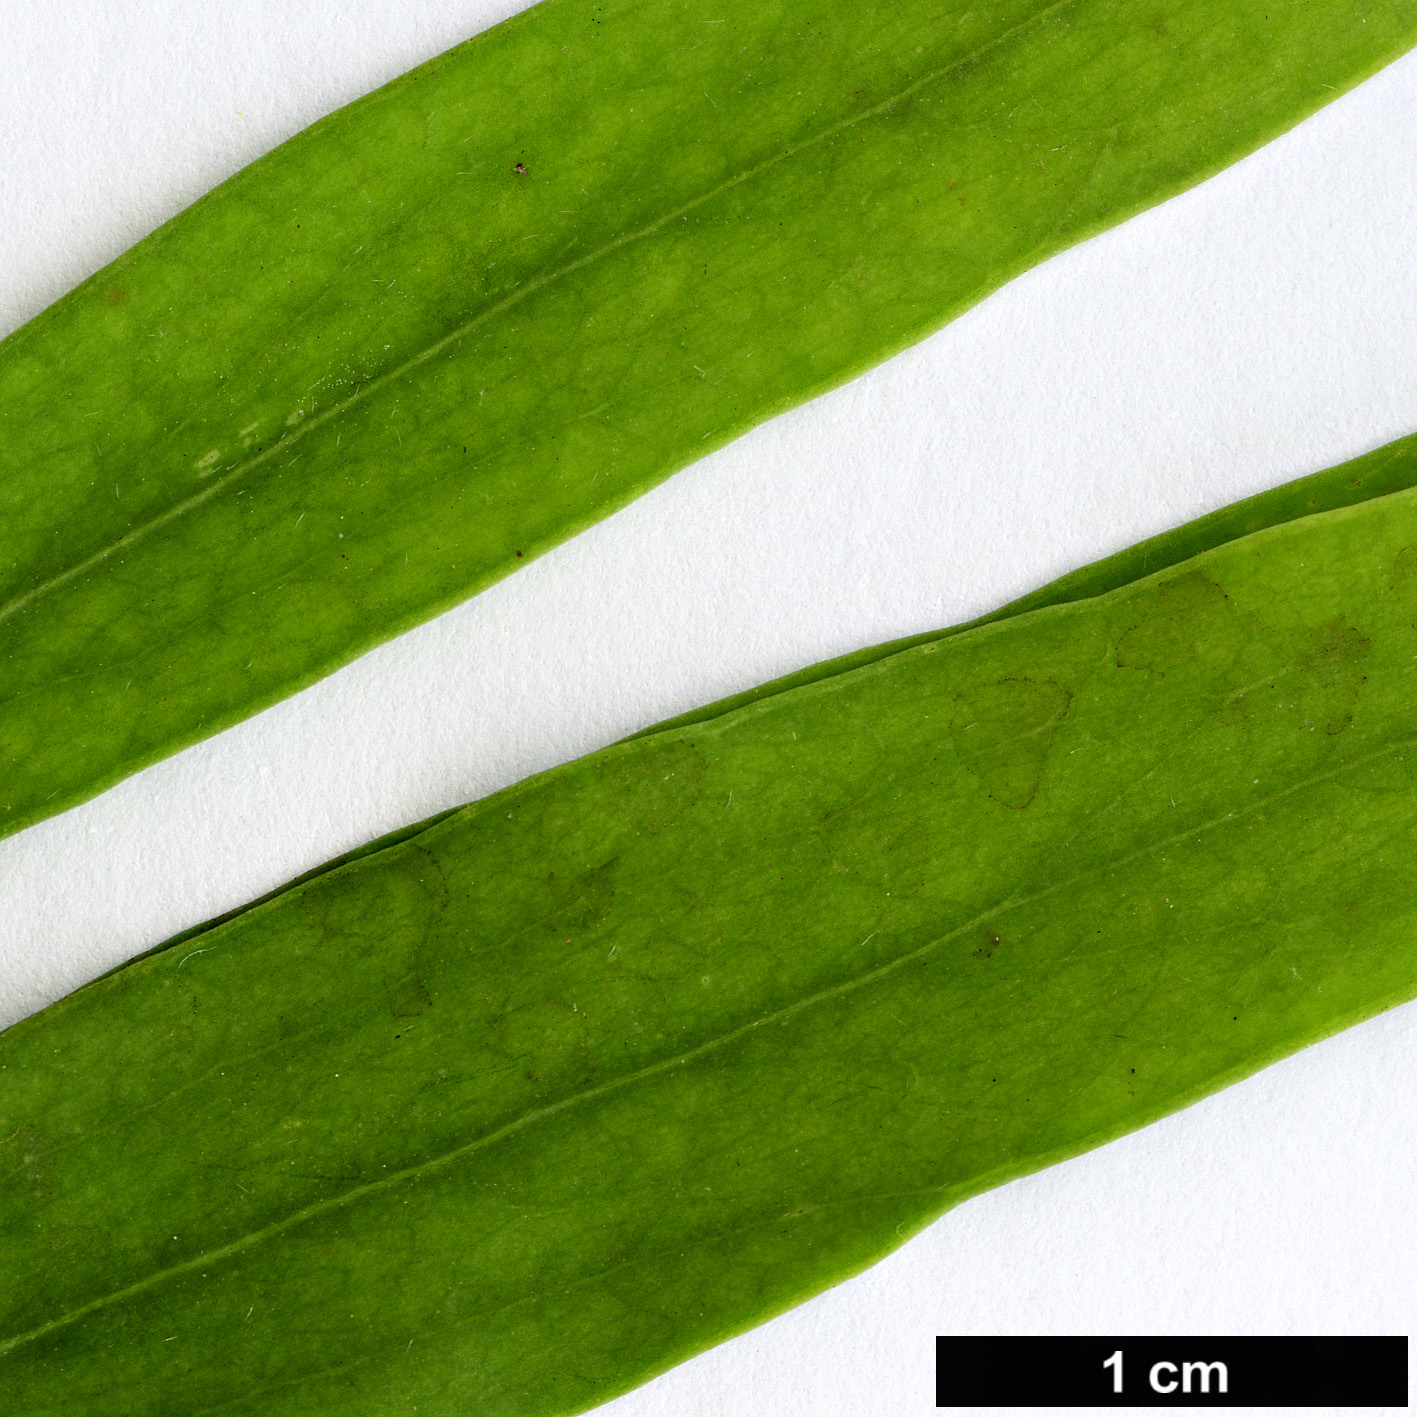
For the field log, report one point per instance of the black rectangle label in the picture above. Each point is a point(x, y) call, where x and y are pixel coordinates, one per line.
point(1168, 1372)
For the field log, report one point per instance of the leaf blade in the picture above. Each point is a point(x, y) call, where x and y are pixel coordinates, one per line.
point(689, 998)
point(254, 589)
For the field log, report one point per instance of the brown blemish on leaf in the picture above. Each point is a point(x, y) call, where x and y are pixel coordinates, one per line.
point(1002, 733)
point(407, 996)
point(582, 900)
point(1331, 679)
point(992, 942)
point(1195, 629)
point(1404, 582)
point(1309, 676)
point(1194, 619)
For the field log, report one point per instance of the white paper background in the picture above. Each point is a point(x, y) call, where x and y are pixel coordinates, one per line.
point(1258, 328)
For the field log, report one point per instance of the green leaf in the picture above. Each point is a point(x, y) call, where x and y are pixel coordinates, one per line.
point(456, 322)
point(1379, 473)
point(630, 1056)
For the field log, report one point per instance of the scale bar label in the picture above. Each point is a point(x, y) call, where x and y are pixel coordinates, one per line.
point(1171, 1372)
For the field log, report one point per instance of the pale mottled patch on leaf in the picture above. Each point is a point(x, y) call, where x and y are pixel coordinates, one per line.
point(884, 849)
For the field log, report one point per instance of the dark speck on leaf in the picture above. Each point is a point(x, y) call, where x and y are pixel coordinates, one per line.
point(521, 168)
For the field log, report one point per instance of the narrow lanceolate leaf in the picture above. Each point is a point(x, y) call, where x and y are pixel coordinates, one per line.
point(450, 325)
point(628, 1057)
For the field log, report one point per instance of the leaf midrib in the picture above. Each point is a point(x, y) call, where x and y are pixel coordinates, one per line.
point(18, 603)
point(679, 1058)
